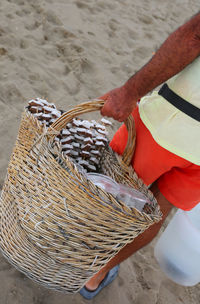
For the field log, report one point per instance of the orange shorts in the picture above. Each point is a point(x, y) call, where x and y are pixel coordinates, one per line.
point(177, 178)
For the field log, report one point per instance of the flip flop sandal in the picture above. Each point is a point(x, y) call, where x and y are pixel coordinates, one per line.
point(111, 275)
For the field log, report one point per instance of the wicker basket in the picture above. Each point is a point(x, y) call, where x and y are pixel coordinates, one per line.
point(57, 227)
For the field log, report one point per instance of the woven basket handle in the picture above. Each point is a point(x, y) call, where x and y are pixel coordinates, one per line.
point(96, 105)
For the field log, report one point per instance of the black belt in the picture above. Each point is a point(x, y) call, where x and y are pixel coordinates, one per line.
point(179, 102)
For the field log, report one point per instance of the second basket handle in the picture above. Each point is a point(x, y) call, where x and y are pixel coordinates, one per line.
point(96, 105)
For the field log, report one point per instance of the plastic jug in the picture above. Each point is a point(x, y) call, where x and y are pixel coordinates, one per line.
point(178, 249)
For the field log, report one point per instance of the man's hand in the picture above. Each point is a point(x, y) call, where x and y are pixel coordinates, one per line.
point(119, 104)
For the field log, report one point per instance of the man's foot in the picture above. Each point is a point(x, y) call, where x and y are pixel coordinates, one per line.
point(111, 275)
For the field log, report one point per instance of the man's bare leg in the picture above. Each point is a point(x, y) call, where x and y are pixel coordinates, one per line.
point(139, 242)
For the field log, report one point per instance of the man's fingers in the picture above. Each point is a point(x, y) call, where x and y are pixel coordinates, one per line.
point(116, 105)
point(109, 112)
point(103, 112)
point(104, 97)
point(112, 111)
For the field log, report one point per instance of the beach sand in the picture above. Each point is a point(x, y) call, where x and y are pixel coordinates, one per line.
point(70, 51)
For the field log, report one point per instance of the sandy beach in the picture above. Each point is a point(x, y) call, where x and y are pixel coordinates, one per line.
point(70, 51)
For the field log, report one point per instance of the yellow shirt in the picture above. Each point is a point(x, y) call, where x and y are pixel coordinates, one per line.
point(171, 128)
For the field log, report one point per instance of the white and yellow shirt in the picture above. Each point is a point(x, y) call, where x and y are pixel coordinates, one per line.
point(171, 128)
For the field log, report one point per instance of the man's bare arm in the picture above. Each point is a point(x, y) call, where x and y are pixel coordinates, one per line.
point(178, 50)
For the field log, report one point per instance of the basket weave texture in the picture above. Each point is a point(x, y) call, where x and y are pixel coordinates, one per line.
point(56, 226)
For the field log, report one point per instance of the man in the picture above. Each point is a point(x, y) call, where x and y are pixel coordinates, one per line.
point(167, 126)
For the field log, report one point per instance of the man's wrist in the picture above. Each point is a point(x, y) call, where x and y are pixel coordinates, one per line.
point(130, 90)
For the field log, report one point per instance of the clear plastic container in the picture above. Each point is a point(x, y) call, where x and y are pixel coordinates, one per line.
point(178, 249)
point(104, 182)
point(132, 197)
point(128, 195)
